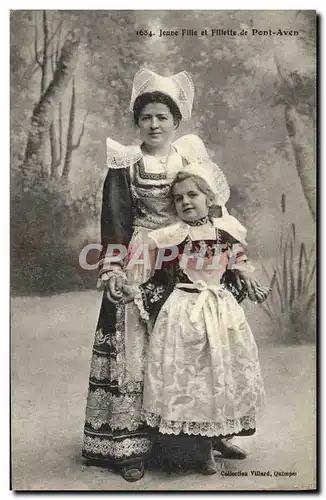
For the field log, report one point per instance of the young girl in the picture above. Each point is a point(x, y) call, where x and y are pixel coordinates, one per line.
point(202, 374)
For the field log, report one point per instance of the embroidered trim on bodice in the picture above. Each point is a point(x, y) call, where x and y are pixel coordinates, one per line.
point(153, 205)
point(149, 175)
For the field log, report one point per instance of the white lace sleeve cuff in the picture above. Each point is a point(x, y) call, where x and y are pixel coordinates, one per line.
point(244, 266)
point(105, 264)
point(104, 277)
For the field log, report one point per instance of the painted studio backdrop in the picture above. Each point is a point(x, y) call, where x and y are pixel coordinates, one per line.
point(254, 108)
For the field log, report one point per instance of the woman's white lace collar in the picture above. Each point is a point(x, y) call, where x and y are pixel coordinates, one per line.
point(189, 146)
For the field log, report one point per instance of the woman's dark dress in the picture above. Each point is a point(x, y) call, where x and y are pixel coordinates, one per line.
point(114, 433)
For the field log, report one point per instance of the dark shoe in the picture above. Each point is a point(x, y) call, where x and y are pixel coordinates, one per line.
point(132, 473)
point(229, 450)
point(208, 468)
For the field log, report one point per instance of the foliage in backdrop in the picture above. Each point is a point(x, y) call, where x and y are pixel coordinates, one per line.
point(71, 77)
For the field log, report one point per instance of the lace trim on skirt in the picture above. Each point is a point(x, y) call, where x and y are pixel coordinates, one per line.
point(116, 449)
point(209, 429)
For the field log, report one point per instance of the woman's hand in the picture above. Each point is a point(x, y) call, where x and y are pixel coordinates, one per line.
point(114, 288)
point(256, 291)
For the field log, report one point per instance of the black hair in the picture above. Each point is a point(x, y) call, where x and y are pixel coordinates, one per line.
point(151, 97)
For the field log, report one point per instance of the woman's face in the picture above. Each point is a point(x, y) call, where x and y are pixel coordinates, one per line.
point(156, 124)
point(190, 203)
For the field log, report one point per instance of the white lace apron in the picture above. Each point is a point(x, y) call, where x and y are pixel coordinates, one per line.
point(131, 360)
point(202, 372)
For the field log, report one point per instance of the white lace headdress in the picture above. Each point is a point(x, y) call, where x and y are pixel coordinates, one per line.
point(179, 87)
point(214, 178)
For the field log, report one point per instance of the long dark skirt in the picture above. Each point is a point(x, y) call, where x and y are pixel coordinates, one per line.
point(114, 433)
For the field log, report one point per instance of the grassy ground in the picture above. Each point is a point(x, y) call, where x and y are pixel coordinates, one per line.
point(51, 347)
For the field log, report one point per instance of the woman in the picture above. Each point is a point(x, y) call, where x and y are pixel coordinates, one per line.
point(136, 200)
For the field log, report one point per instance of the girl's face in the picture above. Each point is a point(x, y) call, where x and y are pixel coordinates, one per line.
point(156, 124)
point(190, 203)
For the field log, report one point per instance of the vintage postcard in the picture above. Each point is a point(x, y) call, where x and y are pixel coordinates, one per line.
point(163, 250)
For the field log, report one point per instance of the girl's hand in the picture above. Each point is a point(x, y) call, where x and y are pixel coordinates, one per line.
point(261, 293)
point(128, 294)
point(114, 288)
point(256, 291)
